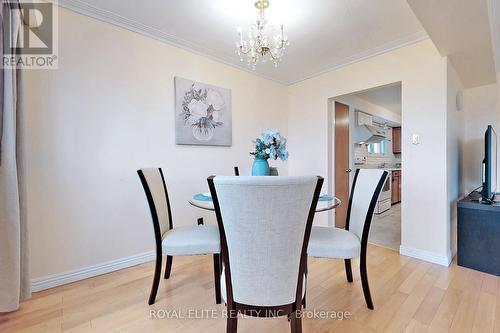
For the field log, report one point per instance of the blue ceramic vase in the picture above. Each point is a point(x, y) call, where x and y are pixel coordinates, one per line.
point(260, 167)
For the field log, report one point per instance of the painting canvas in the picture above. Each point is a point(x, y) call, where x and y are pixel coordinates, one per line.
point(202, 114)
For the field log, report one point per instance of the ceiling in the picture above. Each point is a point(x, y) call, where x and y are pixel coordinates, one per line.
point(388, 97)
point(465, 31)
point(323, 34)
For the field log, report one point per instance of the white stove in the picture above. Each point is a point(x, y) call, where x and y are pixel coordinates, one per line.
point(384, 199)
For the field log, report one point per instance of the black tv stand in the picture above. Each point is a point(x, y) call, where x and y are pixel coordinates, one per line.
point(478, 235)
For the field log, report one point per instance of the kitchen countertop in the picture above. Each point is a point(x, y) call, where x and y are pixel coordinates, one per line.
point(388, 168)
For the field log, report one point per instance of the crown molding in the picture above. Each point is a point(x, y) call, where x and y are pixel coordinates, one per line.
point(370, 53)
point(83, 8)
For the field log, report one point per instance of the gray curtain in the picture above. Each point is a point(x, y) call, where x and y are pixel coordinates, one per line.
point(15, 285)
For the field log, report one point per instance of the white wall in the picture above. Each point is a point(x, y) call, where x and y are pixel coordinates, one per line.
point(107, 111)
point(481, 108)
point(455, 134)
point(423, 73)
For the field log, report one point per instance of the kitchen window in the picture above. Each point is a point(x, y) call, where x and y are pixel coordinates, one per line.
point(378, 148)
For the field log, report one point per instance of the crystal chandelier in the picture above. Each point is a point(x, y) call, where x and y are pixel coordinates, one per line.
point(264, 42)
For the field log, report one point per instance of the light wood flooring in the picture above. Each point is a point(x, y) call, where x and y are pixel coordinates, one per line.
point(409, 296)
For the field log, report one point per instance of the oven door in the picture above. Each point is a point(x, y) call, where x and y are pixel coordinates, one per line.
point(386, 190)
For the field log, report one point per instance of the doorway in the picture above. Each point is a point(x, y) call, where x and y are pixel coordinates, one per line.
point(379, 108)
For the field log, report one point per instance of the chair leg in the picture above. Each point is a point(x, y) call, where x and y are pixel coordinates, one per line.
point(348, 269)
point(232, 323)
point(296, 322)
point(168, 267)
point(364, 281)
point(217, 276)
point(156, 279)
point(305, 291)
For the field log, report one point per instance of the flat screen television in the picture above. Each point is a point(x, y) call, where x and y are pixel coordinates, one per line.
point(490, 168)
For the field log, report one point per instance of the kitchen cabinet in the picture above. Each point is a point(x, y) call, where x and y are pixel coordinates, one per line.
point(396, 187)
point(396, 140)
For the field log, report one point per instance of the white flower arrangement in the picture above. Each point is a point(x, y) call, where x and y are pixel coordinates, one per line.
point(271, 145)
point(201, 111)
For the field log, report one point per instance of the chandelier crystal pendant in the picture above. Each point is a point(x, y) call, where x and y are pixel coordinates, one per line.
point(264, 42)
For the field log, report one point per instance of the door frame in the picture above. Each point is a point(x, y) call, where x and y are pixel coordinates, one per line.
point(331, 151)
point(331, 145)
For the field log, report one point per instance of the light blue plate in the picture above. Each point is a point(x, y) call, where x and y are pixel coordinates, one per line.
point(208, 197)
point(202, 197)
point(325, 197)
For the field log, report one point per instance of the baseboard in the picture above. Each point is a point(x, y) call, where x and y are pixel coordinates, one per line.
point(426, 255)
point(59, 279)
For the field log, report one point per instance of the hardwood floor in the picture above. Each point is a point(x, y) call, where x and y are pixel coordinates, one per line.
point(409, 296)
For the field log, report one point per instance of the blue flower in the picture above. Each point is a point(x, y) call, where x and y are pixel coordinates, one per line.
point(272, 153)
point(283, 153)
point(267, 137)
point(271, 145)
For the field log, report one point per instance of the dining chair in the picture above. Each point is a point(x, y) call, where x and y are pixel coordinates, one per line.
point(351, 242)
point(178, 241)
point(264, 225)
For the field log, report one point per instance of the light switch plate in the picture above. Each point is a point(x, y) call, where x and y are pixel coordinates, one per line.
point(416, 139)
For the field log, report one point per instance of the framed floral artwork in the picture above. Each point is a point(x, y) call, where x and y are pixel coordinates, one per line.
point(202, 114)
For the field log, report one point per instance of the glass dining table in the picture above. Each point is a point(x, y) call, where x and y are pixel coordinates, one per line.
point(326, 202)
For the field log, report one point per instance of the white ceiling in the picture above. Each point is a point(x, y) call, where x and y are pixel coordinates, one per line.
point(324, 34)
point(388, 97)
point(461, 30)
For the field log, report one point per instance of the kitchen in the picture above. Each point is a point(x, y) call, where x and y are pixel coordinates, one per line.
point(379, 146)
point(375, 142)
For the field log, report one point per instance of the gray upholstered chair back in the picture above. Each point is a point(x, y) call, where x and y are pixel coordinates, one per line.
point(264, 223)
point(364, 188)
point(156, 191)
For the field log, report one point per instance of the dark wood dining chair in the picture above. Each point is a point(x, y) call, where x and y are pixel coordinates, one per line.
point(264, 225)
point(176, 241)
point(351, 242)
